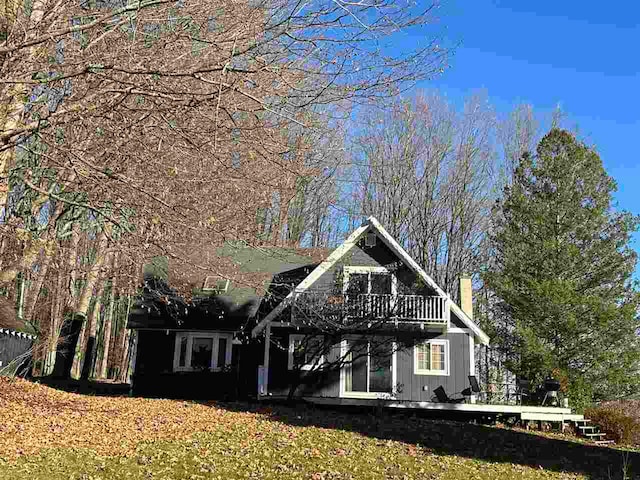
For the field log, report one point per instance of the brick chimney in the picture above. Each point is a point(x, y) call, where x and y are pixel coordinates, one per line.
point(466, 295)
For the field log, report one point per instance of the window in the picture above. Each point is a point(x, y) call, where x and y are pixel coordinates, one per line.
point(305, 353)
point(196, 351)
point(370, 240)
point(369, 369)
point(369, 280)
point(201, 351)
point(369, 292)
point(216, 285)
point(183, 352)
point(432, 358)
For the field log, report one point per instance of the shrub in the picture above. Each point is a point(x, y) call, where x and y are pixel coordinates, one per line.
point(620, 419)
point(580, 393)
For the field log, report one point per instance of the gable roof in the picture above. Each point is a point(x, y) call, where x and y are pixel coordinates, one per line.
point(371, 224)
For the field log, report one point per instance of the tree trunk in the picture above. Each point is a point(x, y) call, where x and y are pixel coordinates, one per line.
point(92, 276)
point(81, 310)
point(89, 363)
point(123, 360)
point(129, 357)
point(46, 242)
point(56, 321)
point(123, 363)
point(32, 300)
point(108, 322)
point(79, 348)
point(72, 265)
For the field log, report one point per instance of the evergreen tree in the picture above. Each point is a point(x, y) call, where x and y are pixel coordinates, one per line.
point(562, 276)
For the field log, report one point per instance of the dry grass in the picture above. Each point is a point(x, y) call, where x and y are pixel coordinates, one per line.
point(49, 434)
point(36, 417)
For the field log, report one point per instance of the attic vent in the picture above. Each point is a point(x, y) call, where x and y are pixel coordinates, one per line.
point(370, 240)
point(216, 285)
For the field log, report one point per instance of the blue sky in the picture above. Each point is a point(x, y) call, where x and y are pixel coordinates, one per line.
point(582, 55)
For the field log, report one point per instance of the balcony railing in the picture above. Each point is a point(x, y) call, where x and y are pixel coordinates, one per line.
point(411, 308)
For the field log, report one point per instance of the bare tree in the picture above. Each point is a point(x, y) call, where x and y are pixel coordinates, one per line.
point(427, 173)
point(518, 134)
point(142, 128)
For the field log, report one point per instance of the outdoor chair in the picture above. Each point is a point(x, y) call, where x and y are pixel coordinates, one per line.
point(442, 396)
point(474, 388)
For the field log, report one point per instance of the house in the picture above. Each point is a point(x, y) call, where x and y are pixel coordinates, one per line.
point(361, 325)
point(366, 323)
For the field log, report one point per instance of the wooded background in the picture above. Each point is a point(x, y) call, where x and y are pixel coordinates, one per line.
point(132, 130)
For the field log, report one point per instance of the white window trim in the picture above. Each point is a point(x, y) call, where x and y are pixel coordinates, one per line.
point(214, 351)
point(381, 395)
point(309, 366)
point(349, 269)
point(214, 281)
point(441, 373)
point(472, 356)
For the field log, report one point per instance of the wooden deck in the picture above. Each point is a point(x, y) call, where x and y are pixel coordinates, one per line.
point(520, 412)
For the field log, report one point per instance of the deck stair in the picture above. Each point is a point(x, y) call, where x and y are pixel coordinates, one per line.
point(586, 429)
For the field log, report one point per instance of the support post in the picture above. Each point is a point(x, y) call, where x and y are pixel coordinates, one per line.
point(265, 362)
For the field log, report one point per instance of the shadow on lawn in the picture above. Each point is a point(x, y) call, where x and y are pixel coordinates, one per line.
point(85, 387)
point(445, 437)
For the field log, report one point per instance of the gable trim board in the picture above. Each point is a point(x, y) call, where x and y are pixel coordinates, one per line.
point(410, 262)
point(370, 224)
point(336, 255)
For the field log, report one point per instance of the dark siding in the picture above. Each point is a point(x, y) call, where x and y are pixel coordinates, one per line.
point(328, 281)
point(154, 376)
point(378, 256)
point(12, 345)
point(412, 385)
point(278, 372)
point(456, 322)
point(281, 378)
point(154, 353)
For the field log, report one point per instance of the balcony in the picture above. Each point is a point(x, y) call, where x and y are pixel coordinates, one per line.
point(345, 309)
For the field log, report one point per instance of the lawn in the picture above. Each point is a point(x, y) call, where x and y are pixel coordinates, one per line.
point(50, 434)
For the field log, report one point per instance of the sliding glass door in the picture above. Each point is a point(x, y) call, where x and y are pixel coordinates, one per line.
point(368, 369)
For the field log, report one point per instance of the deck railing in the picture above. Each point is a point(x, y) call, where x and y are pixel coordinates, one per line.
point(412, 308)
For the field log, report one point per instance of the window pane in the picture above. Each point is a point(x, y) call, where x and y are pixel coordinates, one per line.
point(423, 357)
point(348, 387)
point(298, 353)
point(356, 371)
point(314, 351)
point(381, 283)
point(380, 368)
point(183, 351)
point(308, 351)
point(359, 374)
point(358, 283)
point(201, 352)
point(437, 357)
point(222, 352)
